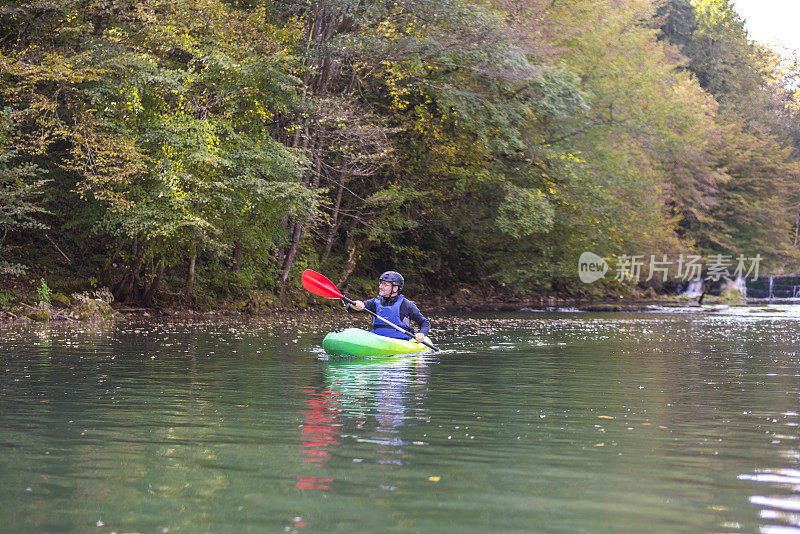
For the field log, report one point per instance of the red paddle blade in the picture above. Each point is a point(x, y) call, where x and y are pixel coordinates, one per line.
point(320, 285)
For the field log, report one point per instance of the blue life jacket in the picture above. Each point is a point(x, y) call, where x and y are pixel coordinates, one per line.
point(392, 313)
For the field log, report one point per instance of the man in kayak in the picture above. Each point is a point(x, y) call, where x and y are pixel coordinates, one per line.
point(393, 306)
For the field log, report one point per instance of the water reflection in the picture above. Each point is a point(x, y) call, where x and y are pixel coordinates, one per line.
point(320, 430)
point(778, 489)
point(363, 401)
point(531, 423)
point(378, 397)
point(779, 508)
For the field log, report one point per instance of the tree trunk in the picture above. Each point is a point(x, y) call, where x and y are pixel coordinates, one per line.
point(238, 251)
point(154, 283)
point(284, 254)
point(334, 223)
point(356, 251)
point(312, 178)
point(287, 264)
point(280, 252)
point(318, 161)
point(106, 273)
point(124, 290)
point(321, 30)
point(192, 264)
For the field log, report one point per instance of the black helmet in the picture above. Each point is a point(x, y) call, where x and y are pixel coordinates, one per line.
point(394, 277)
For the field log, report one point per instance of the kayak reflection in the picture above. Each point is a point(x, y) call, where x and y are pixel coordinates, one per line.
point(367, 401)
point(378, 397)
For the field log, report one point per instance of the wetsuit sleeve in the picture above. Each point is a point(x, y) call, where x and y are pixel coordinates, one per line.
point(411, 311)
point(368, 305)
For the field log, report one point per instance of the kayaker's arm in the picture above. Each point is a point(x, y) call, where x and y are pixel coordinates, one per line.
point(367, 304)
point(412, 312)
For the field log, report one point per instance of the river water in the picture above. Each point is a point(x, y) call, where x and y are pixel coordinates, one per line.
point(527, 422)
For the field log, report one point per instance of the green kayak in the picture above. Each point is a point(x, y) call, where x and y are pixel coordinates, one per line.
point(358, 342)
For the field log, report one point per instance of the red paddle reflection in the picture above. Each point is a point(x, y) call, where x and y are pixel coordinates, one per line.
point(314, 483)
point(320, 430)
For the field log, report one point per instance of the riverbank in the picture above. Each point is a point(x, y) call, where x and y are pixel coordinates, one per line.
point(85, 307)
point(23, 300)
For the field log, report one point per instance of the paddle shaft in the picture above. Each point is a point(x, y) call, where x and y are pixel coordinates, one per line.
point(403, 330)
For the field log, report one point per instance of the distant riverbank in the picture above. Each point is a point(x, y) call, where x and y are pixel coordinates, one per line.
point(101, 306)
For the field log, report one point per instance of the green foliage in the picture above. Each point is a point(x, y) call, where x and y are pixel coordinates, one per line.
point(163, 118)
point(43, 292)
point(20, 194)
point(524, 213)
point(747, 192)
point(211, 148)
point(7, 298)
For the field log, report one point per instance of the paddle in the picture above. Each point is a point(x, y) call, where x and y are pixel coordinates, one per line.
point(320, 285)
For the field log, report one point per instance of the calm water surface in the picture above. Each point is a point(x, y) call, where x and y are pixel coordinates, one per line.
point(529, 422)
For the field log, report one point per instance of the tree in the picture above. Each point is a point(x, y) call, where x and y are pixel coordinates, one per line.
point(20, 209)
point(162, 114)
point(748, 158)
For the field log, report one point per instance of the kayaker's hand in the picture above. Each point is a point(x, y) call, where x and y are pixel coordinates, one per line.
point(358, 305)
point(419, 337)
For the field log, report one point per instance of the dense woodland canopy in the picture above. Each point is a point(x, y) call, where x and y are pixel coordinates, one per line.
point(197, 150)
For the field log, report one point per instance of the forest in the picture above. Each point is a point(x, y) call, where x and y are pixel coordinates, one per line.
point(205, 152)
